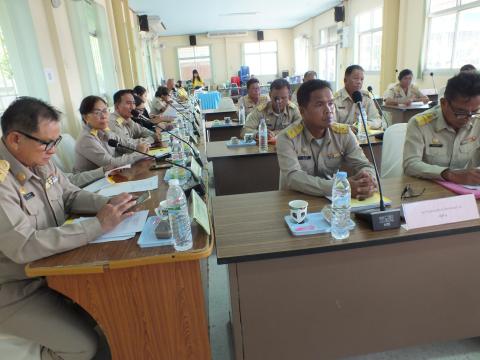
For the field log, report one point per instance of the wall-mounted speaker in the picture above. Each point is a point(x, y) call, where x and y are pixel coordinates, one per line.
point(193, 40)
point(143, 22)
point(259, 35)
point(339, 13)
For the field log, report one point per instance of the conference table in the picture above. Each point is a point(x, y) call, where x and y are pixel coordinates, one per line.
point(220, 113)
point(219, 131)
point(401, 114)
point(149, 302)
point(240, 170)
point(312, 297)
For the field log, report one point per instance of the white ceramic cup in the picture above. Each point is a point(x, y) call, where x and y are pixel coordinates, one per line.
point(298, 210)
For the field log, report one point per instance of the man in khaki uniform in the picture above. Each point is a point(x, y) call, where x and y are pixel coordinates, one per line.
point(443, 143)
point(311, 151)
point(121, 123)
point(253, 97)
point(278, 113)
point(347, 110)
point(35, 200)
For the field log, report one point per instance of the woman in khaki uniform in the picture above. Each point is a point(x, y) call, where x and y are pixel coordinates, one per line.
point(92, 149)
point(404, 92)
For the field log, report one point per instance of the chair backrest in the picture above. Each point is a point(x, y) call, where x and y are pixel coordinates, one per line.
point(392, 150)
point(14, 348)
point(66, 153)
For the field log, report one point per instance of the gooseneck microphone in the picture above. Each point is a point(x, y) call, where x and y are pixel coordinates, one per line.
point(199, 187)
point(383, 219)
point(370, 90)
point(433, 103)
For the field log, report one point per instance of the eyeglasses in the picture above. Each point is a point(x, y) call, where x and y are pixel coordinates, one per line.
point(48, 144)
point(464, 114)
point(99, 113)
point(408, 192)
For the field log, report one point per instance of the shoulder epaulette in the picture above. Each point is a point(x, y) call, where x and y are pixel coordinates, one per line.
point(294, 130)
point(292, 105)
point(94, 132)
point(366, 93)
point(340, 128)
point(424, 119)
point(262, 106)
point(119, 120)
point(4, 167)
point(337, 94)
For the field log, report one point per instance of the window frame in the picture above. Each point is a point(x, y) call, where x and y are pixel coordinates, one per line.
point(260, 53)
point(325, 45)
point(305, 53)
point(371, 30)
point(209, 79)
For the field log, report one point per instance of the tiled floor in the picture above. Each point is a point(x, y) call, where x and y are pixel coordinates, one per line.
point(220, 336)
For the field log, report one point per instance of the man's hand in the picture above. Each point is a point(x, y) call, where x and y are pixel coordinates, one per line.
point(354, 129)
point(115, 211)
point(143, 147)
point(465, 177)
point(362, 185)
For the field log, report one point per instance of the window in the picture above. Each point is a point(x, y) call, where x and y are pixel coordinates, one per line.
point(327, 54)
point(453, 33)
point(261, 57)
point(8, 89)
point(194, 57)
point(369, 39)
point(300, 45)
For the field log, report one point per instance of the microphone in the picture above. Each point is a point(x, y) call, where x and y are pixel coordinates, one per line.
point(379, 219)
point(193, 122)
point(370, 90)
point(199, 187)
point(433, 103)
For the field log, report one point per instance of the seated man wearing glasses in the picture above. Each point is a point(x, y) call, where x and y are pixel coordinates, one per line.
point(443, 143)
point(35, 200)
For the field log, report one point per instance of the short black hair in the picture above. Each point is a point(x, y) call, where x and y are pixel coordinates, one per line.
point(464, 85)
point(139, 90)
point(403, 73)
point(87, 104)
point(24, 114)
point(310, 72)
point(162, 91)
point(468, 67)
point(251, 82)
point(138, 100)
point(117, 97)
point(304, 91)
point(350, 69)
point(279, 84)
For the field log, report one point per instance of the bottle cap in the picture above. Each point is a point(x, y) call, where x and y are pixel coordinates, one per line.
point(341, 175)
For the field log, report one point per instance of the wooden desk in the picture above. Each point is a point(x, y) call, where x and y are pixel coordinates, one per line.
point(221, 132)
point(149, 302)
point(401, 114)
point(243, 169)
point(312, 297)
point(219, 114)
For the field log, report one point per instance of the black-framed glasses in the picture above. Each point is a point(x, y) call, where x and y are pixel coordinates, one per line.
point(99, 113)
point(464, 114)
point(48, 144)
point(408, 192)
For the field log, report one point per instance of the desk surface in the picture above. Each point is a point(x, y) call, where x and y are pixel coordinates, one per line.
point(219, 149)
point(95, 258)
point(405, 108)
point(251, 226)
point(219, 111)
point(221, 125)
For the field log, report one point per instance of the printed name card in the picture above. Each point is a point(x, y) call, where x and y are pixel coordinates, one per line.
point(440, 211)
point(200, 212)
point(196, 168)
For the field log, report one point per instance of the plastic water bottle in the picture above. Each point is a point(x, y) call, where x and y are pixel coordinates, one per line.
point(178, 157)
point(361, 135)
point(262, 136)
point(241, 115)
point(178, 216)
point(340, 224)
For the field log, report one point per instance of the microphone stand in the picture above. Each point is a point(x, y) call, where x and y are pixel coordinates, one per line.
point(433, 103)
point(370, 90)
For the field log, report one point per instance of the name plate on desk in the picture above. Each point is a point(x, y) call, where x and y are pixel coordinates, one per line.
point(440, 211)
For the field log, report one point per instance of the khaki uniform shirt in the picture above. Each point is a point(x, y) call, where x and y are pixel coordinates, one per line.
point(397, 93)
point(347, 111)
point(250, 105)
point(158, 106)
point(309, 165)
point(275, 122)
point(34, 204)
point(432, 146)
point(129, 131)
point(92, 150)
point(86, 177)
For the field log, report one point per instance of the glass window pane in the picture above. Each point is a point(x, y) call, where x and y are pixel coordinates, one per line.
point(440, 42)
point(186, 52)
point(376, 51)
point(268, 46)
point(332, 34)
point(467, 1)
point(250, 48)
point(97, 61)
point(253, 62)
point(202, 51)
point(364, 22)
point(377, 18)
point(186, 68)
point(323, 36)
point(437, 5)
point(468, 33)
point(364, 50)
point(268, 63)
point(331, 63)
point(8, 89)
point(204, 68)
point(322, 63)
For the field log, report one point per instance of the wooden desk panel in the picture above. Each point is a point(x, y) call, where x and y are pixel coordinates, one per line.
point(222, 132)
point(219, 114)
point(401, 114)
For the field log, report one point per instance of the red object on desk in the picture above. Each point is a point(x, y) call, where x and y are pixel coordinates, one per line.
point(235, 80)
point(458, 189)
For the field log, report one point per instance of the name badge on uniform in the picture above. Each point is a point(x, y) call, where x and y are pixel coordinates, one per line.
point(52, 179)
point(435, 145)
point(304, 157)
point(28, 196)
point(341, 107)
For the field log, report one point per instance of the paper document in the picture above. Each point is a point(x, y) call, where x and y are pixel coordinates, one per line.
point(158, 152)
point(472, 187)
point(131, 186)
point(98, 185)
point(170, 111)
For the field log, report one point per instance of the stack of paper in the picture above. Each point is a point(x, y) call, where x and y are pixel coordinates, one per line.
point(370, 203)
point(123, 231)
point(131, 186)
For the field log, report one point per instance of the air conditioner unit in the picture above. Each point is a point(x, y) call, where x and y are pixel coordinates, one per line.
point(221, 34)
